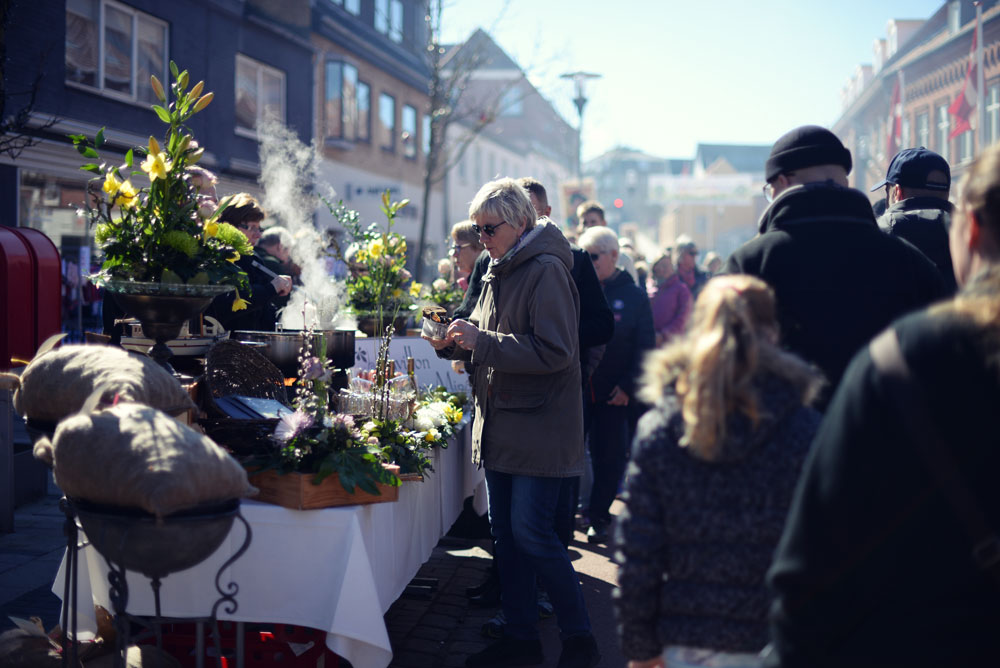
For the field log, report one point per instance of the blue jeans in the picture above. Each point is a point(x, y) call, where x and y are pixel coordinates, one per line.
point(522, 516)
point(609, 454)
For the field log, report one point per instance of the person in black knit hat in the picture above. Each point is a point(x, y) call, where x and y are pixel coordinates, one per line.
point(837, 279)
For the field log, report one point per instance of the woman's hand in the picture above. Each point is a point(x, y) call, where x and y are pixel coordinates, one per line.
point(618, 397)
point(458, 366)
point(437, 344)
point(463, 333)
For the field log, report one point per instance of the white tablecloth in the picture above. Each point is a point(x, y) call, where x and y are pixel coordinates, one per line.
point(335, 569)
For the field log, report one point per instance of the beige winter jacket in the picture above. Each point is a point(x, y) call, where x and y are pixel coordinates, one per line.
point(529, 413)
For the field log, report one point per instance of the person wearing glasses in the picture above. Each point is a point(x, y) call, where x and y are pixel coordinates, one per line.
point(528, 427)
point(464, 253)
point(245, 214)
point(614, 381)
point(837, 278)
point(686, 261)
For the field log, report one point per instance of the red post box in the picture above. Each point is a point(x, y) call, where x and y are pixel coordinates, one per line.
point(30, 292)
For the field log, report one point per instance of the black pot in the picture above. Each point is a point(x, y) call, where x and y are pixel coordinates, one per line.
point(136, 541)
point(283, 347)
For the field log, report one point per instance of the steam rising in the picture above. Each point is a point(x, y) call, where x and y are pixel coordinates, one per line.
point(288, 176)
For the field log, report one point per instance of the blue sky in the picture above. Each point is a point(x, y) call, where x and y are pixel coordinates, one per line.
point(676, 73)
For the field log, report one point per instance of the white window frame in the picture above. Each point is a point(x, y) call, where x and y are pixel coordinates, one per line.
point(923, 131)
point(992, 129)
point(353, 7)
point(380, 20)
point(261, 69)
point(942, 125)
point(132, 98)
point(396, 21)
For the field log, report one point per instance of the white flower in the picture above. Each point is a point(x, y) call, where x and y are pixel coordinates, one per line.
point(291, 425)
point(440, 285)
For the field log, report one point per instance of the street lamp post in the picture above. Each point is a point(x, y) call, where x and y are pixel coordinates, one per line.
point(579, 85)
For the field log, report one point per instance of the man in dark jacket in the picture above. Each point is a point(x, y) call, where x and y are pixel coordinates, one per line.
point(613, 385)
point(837, 279)
point(876, 566)
point(916, 188)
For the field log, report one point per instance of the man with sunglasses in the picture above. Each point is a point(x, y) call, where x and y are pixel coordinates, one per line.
point(837, 279)
point(528, 428)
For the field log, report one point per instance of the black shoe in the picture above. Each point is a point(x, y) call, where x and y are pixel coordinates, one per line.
point(488, 598)
point(509, 652)
point(598, 532)
point(579, 652)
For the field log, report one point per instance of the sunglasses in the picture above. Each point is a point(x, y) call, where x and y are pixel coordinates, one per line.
point(488, 230)
point(595, 256)
point(457, 248)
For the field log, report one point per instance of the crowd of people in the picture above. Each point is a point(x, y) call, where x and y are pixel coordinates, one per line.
point(802, 444)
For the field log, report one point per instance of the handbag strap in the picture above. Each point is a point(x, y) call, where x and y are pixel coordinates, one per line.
point(912, 406)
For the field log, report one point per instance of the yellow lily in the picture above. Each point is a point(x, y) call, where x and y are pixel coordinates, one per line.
point(375, 247)
point(211, 229)
point(154, 146)
point(111, 183)
point(240, 304)
point(156, 165)
point(127, 194)
point(157, 88)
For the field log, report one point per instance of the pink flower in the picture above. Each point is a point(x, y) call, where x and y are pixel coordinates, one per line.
point(313, 369)
point(404, 275)
point(291, 425)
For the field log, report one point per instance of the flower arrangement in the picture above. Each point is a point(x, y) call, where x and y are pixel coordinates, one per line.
point(313, 440)
point(379, 282)
point(166, 231)
point(438, 415)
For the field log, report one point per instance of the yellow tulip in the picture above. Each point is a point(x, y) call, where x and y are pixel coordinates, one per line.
point(156, 165)
point(154, 146)
point(157, 88)
point(240, 304)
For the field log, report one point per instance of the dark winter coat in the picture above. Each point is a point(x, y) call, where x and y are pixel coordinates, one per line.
point(874, 568)
point(671, 304)
point(529, 417)
point(837, 279)
point(633, 337)
point(924, 222)
point(696, 537)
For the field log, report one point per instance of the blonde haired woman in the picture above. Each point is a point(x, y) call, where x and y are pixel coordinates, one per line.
point(712, 474)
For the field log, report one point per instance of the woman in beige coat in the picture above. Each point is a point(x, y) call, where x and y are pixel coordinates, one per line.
point(528, 431)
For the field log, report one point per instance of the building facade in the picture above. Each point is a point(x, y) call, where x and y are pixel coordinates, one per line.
point(931, 58)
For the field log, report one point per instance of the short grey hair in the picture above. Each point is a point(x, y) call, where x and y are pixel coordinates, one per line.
point(506, 199)
point(275, 235)
point(599, 239)
point(465, 233)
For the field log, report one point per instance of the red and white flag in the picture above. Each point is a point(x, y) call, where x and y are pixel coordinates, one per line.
point(894, 139)
point(963, 107)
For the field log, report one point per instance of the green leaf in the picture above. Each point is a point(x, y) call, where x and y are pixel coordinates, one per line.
point(162, 113)
point(88, 152)
point(128, 158)
point(99, 140)
point(77, 138)
point(91, 167)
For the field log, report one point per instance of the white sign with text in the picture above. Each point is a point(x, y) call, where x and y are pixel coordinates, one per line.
point(428, 367)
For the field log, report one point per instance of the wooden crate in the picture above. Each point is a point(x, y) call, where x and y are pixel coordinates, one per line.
point(297, 491)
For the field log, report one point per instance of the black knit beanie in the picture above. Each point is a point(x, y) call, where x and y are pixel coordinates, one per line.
point(806, 146)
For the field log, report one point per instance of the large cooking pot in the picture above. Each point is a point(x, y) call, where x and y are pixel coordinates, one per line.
point(283, 347)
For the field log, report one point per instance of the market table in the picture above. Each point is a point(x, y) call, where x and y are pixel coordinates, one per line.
point(333, 569)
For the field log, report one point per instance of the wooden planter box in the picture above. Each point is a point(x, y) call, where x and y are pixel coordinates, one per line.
point(297, 491)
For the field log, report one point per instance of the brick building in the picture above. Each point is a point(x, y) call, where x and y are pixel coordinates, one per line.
point(933, 56)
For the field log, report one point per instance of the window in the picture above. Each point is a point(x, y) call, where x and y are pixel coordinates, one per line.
point(387, 121)
point(954, 17)
point(923, 130)
point(992, 129)
point(512, 102)
point(425, 136)
point(904, 132)
point(364, 112)
point(389, 19)
point(114, 49)
point(965, 146)
point(353, 6)
point(260, 94)
point(943, 130)
point(342, 107)
point(409, 131)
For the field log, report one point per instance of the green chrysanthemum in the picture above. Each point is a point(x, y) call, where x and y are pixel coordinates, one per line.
point(181, 241)
point(102, 233)
point(234, 238)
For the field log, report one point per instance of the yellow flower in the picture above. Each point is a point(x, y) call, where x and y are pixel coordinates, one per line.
point(453, 414)
point(415, 289)
point(156, 165)
point(375, 247)
point(127, 194)
point(361, 255)
point(234, 257)
point(154, 146)
point(397, 293)
point(111, 183)
point(401, 248)
point(157, 88)
point(239, 304)
point(432, 436)
point(211, 229)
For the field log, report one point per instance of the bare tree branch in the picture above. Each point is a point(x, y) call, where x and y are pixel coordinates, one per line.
point(16, 131)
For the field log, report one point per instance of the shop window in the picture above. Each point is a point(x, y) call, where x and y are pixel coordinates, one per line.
point(260, 94)
point(114, 49)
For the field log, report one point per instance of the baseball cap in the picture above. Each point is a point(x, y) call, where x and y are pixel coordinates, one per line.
point(911, 167)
